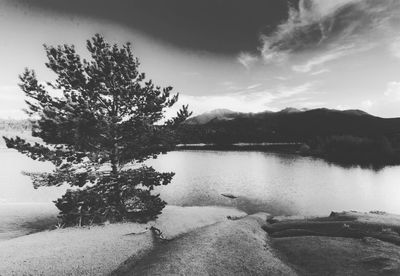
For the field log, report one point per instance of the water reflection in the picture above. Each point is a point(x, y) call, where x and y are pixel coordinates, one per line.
point(277, 183)
point(274, 183)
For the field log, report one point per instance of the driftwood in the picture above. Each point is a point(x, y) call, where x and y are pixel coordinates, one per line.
point(231, 196)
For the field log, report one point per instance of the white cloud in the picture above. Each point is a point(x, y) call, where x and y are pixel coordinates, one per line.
point(322, 59)
point(310, 104)
point(285, 92)
point(367, 104)
point(342, 107)
point(319, 72)
point(231, 87)
point(281, 78)
point(301, 102)
point(393, 90)
point(246, 59)
point(331, 55)
point(245, 101)
point(277, 47)
point(272, 55)
point(250, 87)
point(298, 33)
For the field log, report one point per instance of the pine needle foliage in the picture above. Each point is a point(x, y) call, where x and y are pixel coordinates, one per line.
point(99, 120)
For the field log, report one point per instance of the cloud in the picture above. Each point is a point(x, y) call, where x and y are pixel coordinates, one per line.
point(250, 87)
point(322, 59)
point(281, 78)
point(321, 25)
point(248, 101)
point(230, 86)
point(309, 25)
point(301, 101)
point(270, 54)
point(286, 92)
point(247, 60)
point(329, 56)
point(309, 104)
point(319, 72)
point(393, 90)
point(342, 107)
point(367, 104)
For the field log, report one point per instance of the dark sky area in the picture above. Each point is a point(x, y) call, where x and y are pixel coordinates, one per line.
point(220, 26)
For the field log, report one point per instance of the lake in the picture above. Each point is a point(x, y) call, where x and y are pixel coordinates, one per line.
point(275, 183)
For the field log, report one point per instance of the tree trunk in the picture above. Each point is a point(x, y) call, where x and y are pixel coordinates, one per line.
point(116, 195)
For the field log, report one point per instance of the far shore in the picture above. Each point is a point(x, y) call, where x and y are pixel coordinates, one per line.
point(286, 148)
point(295, 148)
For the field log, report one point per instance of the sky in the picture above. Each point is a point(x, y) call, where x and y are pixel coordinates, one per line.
point(247, 56)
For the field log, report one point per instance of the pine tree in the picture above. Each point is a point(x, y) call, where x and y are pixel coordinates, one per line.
point(100, 121)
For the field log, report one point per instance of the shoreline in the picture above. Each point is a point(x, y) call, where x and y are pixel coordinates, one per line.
point(291, 148)
point(294, 148)
point(217, 239)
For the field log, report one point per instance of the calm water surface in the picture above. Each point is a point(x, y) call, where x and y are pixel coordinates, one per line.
point(275, 183)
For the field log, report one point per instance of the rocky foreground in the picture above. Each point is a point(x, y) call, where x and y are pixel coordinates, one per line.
point(214, 241)
point(348, 243)
point(232, 247)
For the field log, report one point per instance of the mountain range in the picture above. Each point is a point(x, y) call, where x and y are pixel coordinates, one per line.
point(289, 124)
point(227, 115)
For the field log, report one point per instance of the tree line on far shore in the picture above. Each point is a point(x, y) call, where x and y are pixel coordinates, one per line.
point(347, 138)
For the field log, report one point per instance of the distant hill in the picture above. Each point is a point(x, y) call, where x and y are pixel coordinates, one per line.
point(217, 114)
point(346, 137)
point(289, 124)
point(227, 115)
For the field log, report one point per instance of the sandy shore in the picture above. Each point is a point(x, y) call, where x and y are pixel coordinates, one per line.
point(204, 241)
point(101, 249)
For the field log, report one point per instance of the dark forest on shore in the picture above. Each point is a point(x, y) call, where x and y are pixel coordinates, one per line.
point(350, 137)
